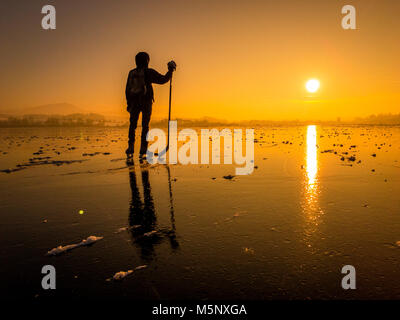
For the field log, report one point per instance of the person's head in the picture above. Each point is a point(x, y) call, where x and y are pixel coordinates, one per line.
point(142, 60)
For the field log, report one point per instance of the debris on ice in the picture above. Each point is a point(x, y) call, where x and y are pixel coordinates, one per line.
point(122, 274)
point(62, 249)
point(148, 234)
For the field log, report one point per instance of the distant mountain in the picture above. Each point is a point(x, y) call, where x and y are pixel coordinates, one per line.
point(53, 109)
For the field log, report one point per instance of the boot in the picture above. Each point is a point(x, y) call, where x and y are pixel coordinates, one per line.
point(129, 152)
point(142, 155)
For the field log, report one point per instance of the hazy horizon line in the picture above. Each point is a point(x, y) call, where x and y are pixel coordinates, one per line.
point(104, 120)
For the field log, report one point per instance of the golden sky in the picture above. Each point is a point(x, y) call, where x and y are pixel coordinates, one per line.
point(236, 59)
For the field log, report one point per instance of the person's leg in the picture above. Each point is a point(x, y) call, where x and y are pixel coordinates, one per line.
point(134, 116)
point(146, 115)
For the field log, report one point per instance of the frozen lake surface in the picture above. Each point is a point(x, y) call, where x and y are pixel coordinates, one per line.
point(319, 198)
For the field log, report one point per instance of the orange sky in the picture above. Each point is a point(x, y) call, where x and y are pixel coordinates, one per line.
point(236, 59)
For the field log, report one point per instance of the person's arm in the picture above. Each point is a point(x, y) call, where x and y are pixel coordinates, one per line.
point(158, 78)
point(127, 88)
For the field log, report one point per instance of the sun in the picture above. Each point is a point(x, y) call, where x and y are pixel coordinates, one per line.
point(312, 85)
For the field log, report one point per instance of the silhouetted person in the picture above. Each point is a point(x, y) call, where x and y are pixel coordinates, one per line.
point(140, 97)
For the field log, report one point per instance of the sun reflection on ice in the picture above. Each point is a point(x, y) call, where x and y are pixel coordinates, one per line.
point(311, 157)
point(311, 208)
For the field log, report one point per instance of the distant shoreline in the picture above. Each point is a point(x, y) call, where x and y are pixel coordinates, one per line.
point(209, 125)
point(98, 120)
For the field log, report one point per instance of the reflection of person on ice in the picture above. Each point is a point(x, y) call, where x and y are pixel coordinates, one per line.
point(140, 97)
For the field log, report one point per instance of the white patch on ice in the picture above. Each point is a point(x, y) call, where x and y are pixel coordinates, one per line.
point(128, 228)
point(122, 274)
point(61, 249)
point(148, 234)
point(239, 213)
point(141, 267)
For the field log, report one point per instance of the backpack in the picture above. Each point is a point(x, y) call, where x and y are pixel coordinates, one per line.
point(138, 83)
